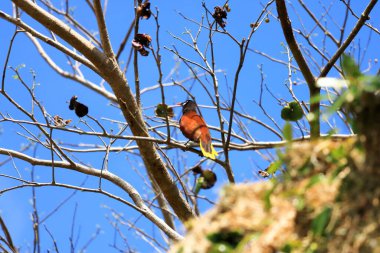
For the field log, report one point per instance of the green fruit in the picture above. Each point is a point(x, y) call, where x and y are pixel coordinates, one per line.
point(297, 112)
point(286, 113)
point(205, 181)
point(209, 179)
point(292, 111)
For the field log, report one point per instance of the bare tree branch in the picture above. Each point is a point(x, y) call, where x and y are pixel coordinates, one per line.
point(7, 235)
point(359, 24)
point(72, 76)
point(49, 41)
point(103, 30)
point(114, 76)
point(302, 64)
point(132, 192)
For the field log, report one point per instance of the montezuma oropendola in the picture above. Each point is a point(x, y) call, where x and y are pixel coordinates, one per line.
point(194, 127)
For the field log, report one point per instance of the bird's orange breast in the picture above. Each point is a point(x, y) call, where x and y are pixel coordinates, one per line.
point(193, 126)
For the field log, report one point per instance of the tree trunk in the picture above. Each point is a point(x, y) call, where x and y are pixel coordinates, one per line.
point(111, 72)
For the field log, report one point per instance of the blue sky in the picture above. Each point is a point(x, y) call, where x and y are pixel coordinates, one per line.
point(54, 91)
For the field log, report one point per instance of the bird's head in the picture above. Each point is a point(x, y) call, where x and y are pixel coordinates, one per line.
point(188, 105)
point(73, 102)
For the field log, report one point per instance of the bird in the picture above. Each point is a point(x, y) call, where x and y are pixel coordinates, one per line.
point(194, 127)
point(81, 110)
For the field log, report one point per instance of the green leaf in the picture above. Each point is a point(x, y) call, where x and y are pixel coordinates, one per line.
point(248, 239)
point(266, 199)
point(313, 247)
point(318, 98)
point(314, 180)
point(338, 103)
point(274, 166)
point(287, 248)
point(338, 154)
point(288, 131)
point(320, 222)
point(349, 67)
point(299, 203)
point(370, 83)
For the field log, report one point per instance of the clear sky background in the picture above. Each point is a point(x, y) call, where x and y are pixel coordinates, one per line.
point(53, 91)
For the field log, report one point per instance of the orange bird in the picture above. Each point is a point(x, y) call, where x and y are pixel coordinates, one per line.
point(194, 127)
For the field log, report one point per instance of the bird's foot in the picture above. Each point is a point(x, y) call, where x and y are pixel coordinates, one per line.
point(187, 145)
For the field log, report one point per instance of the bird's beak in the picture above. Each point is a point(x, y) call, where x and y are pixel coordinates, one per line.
point(180, 103)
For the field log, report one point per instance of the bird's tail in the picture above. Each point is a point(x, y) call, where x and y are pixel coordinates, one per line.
point(207, 148)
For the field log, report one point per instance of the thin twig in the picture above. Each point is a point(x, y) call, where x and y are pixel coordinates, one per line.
point(359, 24)
point(302, 64)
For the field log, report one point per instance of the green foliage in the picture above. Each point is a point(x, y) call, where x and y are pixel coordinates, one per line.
point(287, 248)
point(349, 67)
point(267, 195)
point(337, 154)
point(248, 239)
point(314, 180)
point(274, 166)
point(313, 247)
point(319, 224)
point(357, 84)
point(360, 89)
point(288, 132)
